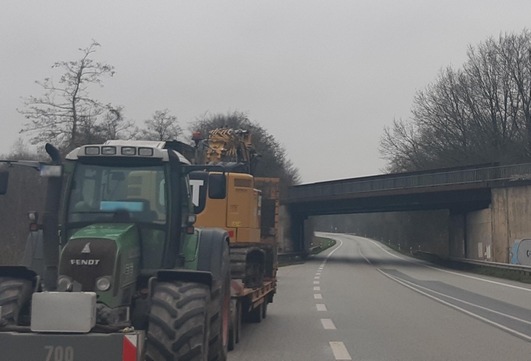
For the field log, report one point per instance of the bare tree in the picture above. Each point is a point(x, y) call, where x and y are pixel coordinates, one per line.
point(65, 114)
point(161, 126)
point(114, 125)
point(480, 113)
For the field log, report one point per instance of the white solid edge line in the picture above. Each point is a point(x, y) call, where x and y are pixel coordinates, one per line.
point(463, 301)
point(472, 314)
point(452, 272)
point(335, 249)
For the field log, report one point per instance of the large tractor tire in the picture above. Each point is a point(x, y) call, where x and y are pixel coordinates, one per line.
point(214, 257)
point(15, 295)
point(178, 322)
point(219, 324)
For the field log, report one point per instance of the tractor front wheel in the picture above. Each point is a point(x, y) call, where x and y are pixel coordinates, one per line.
point(178, 326)
point(15, 294)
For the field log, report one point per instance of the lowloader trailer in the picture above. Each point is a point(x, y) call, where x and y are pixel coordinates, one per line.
point(227, 195)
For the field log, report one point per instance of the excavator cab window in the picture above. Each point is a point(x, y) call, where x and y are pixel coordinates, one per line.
point(217, 186)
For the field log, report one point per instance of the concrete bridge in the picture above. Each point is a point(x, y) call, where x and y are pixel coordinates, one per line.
point(489, 206)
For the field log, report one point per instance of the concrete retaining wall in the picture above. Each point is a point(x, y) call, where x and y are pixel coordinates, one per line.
point(511, 219)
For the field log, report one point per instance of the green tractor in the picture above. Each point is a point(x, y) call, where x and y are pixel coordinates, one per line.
point(116, 269)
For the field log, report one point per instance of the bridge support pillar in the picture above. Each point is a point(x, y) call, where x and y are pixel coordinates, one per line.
point(457, 234)
point(298, 232)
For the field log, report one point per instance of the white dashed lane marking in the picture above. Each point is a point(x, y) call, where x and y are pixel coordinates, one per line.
point(338, 348)
point(340, 351)
point(328, 324)
point(321, 307)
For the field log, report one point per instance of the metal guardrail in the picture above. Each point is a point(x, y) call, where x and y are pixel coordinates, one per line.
point(291, 257)
point(495, 265)
point(409, 181)
point(516, 272)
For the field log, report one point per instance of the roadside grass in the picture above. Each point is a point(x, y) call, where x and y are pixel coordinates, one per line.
point(319, 244)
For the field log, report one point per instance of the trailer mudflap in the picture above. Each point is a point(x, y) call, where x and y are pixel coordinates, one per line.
point(16, 346)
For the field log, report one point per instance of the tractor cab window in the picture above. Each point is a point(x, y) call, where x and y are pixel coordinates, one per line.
point(114, 193)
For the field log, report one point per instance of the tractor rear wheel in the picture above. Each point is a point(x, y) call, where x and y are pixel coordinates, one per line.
point(15, 294)
point(178, 322)
point(213, 256)
point(220, 321)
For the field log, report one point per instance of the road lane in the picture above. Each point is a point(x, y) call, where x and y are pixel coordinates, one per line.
point(374, 304)
point(292, 330)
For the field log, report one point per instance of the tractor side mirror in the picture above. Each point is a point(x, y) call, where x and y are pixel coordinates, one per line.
point(4, 176)
point(49, 170)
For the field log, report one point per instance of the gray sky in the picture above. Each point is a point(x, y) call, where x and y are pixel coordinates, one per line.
point(324, 77)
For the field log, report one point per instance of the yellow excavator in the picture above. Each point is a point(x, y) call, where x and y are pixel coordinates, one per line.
point(247, 206)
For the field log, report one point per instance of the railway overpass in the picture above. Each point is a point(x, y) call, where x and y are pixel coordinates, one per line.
point(489, 206)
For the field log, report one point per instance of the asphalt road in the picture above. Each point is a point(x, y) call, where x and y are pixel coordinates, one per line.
point(362, 301)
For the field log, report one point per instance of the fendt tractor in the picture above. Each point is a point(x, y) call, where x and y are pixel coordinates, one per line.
point(247, 207)
point(119, 271)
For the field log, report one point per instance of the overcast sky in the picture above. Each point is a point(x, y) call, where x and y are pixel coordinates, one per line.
point(323, 77)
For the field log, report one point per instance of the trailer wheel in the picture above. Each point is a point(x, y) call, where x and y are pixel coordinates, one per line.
point(264, 308)
point(254, 269)
point(256, 314)
point(15, 294)
point(178, 326)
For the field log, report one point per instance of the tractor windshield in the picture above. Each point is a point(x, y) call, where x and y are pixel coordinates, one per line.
point(113, 193)
point(118, 192)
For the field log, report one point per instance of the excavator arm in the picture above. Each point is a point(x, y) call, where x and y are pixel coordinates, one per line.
point(228, 147)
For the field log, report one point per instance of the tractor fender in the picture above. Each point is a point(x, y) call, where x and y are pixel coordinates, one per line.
point(184, 275)
point(20, 272)
point(212, 254)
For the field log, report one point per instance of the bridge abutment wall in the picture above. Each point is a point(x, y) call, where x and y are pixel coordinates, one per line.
point(511, 219)
point(488, 234)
